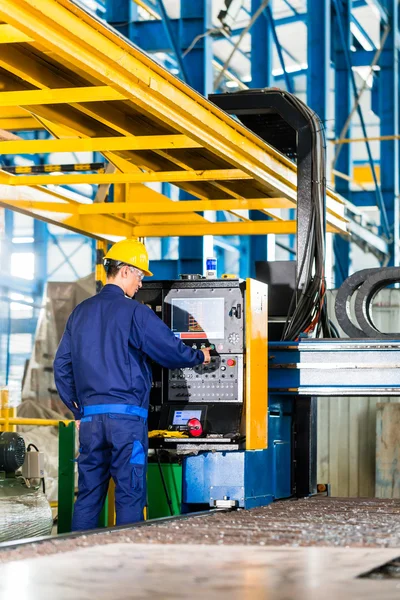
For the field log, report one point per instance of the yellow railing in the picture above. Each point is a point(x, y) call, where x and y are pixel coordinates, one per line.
point(9, 419)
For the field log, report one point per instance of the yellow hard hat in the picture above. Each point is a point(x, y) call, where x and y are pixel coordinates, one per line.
point(131, 252)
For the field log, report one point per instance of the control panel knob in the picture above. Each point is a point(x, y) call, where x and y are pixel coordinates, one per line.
point(231, 362)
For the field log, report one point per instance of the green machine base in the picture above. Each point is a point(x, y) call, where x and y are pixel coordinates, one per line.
point(158, 505)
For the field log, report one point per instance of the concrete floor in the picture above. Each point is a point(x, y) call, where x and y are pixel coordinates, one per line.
point(162, 571)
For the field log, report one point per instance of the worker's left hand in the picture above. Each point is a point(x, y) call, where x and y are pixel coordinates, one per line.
point(77, 425)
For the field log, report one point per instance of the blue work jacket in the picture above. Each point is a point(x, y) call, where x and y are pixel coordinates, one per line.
point(103, 356)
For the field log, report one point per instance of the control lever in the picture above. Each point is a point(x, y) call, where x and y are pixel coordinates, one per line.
point(236, 311)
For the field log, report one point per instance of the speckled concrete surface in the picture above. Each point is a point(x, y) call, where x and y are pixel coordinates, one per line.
point(176, 572)
point(337, 522)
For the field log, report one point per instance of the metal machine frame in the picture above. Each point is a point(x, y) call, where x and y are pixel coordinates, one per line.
point(242, 471)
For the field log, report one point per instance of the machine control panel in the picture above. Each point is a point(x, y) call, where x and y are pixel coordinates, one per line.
point(181, 417)
point(205, 401)
point(207, 318)
point(220, 381)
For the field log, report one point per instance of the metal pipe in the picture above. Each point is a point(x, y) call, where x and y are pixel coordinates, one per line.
point(361, 92)
point(348, 178)
point(172, 41)
point(236, 46)
point(377, 138)
point(38, 422)
point(270, 19)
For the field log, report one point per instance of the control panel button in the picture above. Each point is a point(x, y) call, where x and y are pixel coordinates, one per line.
point(231, 362)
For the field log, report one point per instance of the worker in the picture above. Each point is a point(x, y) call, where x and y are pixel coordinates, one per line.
point(103, 376)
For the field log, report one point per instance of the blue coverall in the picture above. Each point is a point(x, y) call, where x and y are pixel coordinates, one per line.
point(103, 375)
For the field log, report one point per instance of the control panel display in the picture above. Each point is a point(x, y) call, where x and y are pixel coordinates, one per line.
point(198, 318)
point(181, 417)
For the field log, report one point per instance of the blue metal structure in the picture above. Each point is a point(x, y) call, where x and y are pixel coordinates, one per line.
point(388, 106)
point(334, 368)
point(342, 111)
point(252, 477)
point(185, 44)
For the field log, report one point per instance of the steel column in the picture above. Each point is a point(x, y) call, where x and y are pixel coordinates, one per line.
point(6, 262)
point(261, 77)
point(40, 233)
point(318, 55)
point(173, 42)
point(195, 21)
point(342, 111)
point(261, 50)
point(389, 115)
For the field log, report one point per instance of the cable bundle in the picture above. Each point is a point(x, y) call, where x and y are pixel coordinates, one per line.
point(308, 303)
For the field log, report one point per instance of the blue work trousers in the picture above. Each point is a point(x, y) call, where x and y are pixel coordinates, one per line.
point(111, 445)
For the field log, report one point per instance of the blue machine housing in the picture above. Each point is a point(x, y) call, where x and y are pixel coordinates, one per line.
point(249, 477)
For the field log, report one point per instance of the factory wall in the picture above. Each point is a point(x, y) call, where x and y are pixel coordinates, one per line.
point(347, 426)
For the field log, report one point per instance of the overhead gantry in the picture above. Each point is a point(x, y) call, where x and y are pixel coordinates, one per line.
point(67, 72)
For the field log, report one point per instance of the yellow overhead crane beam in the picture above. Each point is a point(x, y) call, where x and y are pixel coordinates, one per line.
point(64, 70)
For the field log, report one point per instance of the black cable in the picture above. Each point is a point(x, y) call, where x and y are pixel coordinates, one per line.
point(32, 446)
point(164, 484)
point(308, 306)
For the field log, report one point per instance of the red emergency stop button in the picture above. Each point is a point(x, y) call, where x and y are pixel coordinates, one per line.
point(230, 362)
point(195, 427)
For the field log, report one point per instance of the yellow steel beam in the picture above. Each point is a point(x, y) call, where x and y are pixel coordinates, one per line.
point(81, 43)
point(99, 93)
point(217, 228)
point(10, 35)
point(61, 27)
point(362, 174)
point(19, 124)
point(172, 220)
point(25, 67)
point(162, 212)
point(110, 144)
point(43, 206)
point(102, 227)
point(162, 176)
point(148, 9)
point(256, 399)
point(236, 228)
point(29, 421)
point(188, 206)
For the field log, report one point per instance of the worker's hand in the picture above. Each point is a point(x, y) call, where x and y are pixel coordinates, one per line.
point(77, 425)
point(207, 357)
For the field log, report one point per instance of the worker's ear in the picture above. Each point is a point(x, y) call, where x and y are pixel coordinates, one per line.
point(124, 271)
